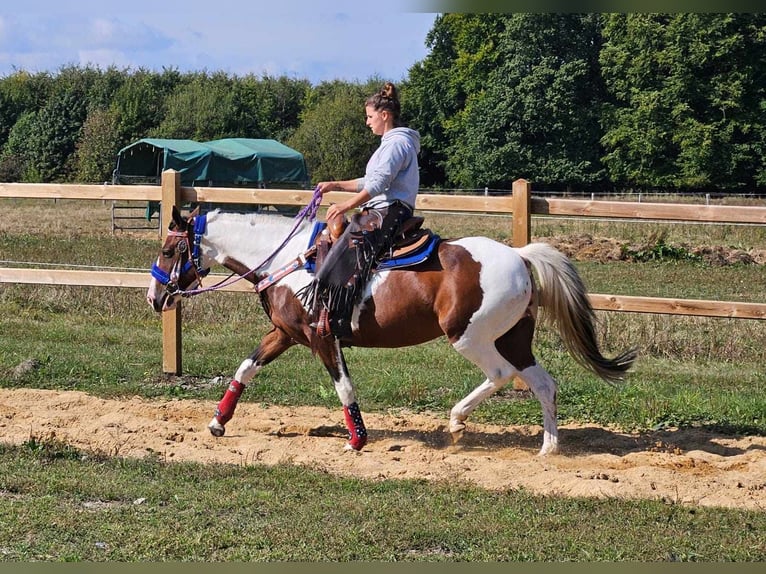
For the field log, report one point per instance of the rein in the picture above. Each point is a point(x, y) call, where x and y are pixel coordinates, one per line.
point(194, 262)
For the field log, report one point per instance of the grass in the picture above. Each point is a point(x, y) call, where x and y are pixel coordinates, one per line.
point(60, 504)
point(57, 504)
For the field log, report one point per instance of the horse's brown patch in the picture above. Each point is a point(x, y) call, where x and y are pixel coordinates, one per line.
point(437, 303)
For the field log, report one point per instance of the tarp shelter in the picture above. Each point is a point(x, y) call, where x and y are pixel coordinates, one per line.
point(224, 162)
point(229, 162)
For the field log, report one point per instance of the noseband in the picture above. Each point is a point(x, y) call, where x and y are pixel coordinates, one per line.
point(185, 262)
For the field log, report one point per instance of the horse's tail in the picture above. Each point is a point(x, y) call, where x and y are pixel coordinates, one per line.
point(564, 299)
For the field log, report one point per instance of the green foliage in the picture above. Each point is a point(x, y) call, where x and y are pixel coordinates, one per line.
point(16, 154)
point(138, 104)
point(659, 251)
point(508, 88)
point(269, 107)
point(462, 54)
point(98, 147)
point(568, 101)
point(201, 108)
point(53, 135)
point(333, 136)
point(21, 93)
point(520, 124)
point(686, 107)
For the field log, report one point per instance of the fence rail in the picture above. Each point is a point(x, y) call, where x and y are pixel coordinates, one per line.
point(520, 205)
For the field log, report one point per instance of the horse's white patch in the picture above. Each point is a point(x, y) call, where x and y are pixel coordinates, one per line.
point(344, 386)
point(246, 371)
point(506, 288)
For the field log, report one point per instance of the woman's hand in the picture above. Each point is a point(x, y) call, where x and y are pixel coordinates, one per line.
point(325, 186)
point(337, 210)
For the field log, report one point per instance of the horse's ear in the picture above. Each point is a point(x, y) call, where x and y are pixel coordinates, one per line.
point(177, 218)
point(194, 213)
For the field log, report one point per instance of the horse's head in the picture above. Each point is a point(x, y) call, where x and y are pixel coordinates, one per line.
point(177, 268)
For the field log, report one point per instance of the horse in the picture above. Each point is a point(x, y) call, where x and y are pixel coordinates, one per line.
point(482, 295)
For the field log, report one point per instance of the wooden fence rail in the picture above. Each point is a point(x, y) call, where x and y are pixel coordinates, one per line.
point(520, 205)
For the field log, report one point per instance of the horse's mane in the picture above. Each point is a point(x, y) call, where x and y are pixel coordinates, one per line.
point(251, 237)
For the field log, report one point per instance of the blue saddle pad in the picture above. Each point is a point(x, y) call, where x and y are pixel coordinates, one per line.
point(407, 260)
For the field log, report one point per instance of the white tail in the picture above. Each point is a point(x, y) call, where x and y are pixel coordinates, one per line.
point(565, 301)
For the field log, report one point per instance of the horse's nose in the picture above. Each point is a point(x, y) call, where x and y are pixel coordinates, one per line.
point(156, 303)
point(153, 303)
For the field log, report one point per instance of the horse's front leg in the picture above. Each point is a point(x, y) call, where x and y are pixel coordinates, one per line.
point(273, 344)
point(335, 363)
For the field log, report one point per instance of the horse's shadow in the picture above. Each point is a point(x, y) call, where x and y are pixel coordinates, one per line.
point(574, 441)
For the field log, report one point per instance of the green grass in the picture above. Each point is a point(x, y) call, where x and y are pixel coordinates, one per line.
point(57, 504)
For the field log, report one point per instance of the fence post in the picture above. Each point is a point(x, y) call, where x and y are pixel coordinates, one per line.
point(522, 213)
point(522, 233)
point(171, 320)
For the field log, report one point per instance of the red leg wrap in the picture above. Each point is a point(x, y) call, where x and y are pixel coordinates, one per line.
point(228, 403)
point(357, 432)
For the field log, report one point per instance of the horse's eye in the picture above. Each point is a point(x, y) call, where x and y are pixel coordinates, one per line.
point(167, 253)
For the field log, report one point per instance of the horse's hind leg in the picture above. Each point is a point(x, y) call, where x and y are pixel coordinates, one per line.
point(537, 379)
point(273, 344)
point(465, 407)
point(501, 360)
point(543, 385)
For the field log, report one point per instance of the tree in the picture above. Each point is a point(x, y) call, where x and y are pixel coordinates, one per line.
point(537, 115)
point(54, 132)
point(686, 99)
point(97, 148)
point(269, 107)
point(333, 136)
point(201, 109)
point(16, 153)
point(462, 55)
point(138, 103)
point(503, 96)
point(21, 93)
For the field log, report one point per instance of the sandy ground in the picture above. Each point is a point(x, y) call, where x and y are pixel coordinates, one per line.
point(688, 466)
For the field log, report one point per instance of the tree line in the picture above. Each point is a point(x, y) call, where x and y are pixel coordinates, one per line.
point(585, 102)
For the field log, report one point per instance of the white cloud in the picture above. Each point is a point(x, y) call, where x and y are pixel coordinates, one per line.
point(104, 59)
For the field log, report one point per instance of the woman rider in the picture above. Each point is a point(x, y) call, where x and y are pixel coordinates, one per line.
point(386, 195)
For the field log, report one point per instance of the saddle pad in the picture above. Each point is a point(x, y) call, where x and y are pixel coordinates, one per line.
point(407, 257)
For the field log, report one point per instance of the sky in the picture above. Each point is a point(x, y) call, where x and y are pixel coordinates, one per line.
point(318, 40)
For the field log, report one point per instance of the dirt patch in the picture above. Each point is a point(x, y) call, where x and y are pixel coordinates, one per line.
point(585, 247)
point(687, 466)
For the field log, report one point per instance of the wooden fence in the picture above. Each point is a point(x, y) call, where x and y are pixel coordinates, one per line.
point(520, 205)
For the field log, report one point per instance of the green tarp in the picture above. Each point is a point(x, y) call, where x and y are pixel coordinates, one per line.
point(224, 162)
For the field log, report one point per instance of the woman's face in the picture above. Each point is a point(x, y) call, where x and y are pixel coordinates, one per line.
point(378, 121)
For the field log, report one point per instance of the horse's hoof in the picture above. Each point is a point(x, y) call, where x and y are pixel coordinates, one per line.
point(356, 444)
point(216, 428)
point(456, 429)
point(549, 450)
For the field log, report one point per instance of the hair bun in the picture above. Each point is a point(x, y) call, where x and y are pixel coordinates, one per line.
point(388, 91)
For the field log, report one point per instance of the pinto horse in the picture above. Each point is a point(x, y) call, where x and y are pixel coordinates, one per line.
point(480, 294)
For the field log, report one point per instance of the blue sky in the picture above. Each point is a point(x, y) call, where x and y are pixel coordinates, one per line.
point(314, 39)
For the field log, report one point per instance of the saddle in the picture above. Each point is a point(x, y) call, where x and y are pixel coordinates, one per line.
point(412, 245)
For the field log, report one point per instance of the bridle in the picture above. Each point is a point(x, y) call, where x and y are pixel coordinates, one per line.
point(187, 260)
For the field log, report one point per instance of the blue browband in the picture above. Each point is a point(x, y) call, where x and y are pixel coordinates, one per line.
point(200, 228)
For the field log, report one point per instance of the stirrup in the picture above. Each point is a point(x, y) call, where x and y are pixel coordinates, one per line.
point(322, 324)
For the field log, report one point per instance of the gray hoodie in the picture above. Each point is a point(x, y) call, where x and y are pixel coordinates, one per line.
point(392, 171)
